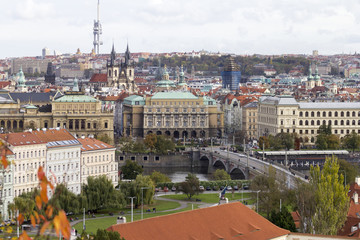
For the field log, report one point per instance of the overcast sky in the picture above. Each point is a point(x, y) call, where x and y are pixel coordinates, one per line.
point(233, 26)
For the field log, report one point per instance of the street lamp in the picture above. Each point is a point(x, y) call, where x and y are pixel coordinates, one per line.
point(257, 201)
point(142, 201)
point(132, 208)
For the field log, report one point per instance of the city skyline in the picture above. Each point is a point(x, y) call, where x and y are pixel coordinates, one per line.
point(241, 27)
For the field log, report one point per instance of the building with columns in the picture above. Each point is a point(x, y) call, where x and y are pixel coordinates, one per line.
point(285, 114)
point(80, 114)
point(175, 114)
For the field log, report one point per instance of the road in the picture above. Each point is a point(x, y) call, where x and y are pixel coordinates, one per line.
point(257, 166)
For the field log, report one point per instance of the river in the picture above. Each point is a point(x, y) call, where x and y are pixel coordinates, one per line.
point(180, 176)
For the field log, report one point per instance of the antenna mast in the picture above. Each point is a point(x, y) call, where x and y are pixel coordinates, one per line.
point(97, 31)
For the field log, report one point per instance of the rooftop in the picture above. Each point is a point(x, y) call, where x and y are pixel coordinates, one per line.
point(173, 95)
point(90, 144)
point(76, 98)
point(226, 221)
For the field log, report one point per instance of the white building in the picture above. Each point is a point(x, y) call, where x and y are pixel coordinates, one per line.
point(98, 158)
point(62, 158)
point(6, 180)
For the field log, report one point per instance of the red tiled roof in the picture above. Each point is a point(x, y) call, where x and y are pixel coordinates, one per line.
point(90, 144)
point(51, 135)
point(296, 218)
point(98, 77)
point(4, 84)
point(21, 138)
point(226, 221)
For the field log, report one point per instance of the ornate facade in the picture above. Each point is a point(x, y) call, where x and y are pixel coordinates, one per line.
point(80, 114)
point(175, 114)
point(285, 114)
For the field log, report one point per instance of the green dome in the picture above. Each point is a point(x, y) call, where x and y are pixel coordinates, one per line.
point(165, 83)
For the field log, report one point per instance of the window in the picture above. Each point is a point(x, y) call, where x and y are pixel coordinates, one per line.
point(106, 125)
point(306, 114)
point(300, 122)
point(312, 114)
point(348, 114)
point(330, 114)
point(282, 122)
point(301, 114)
point(318, 114)
point(145, 158)
point(293, 112)
point(318, 122)
point(324, 114)
point(336, 114)
point(312, 123)
point(342, 114)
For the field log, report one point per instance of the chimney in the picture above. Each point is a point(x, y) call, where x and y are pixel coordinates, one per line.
point(356, 197)
point(357, 180)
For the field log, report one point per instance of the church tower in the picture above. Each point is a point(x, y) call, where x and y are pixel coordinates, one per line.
point(112, 69)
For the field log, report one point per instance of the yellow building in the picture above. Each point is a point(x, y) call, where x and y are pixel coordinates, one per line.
point(249, 120)
point(80, 114)
point(175, 114)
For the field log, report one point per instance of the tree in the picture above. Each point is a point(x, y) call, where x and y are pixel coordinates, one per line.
point(100, 193)
point(126, 144)
point(133, 189)
point(131, 169)
point(271, 188)
point(64, 199)
point(221, 174)
point(326, 140)
point(158, 177)
point(321, 142)
point(163, 145)
point(190, 186)
point(325, 129)
point(150, 141)
point(351, 141)
point(351, 170)
point(283, 219)
point(281, 141)
point(104, 138)
point(264, 140)
point(305, 195)
point(101, 234)
point(331, 199)
point(138, 147)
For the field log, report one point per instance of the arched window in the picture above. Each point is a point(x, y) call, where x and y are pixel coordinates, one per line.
point(342, 122)
point(353, 122)
point(312, 114)
point(329, 122)
point(330, 114)
point(109, 72)
point(301, 122)
point(306, 123)
point(306, 114)
point(312, 123)
point(115, 73)
point(318, 114)
point(336, 122)
point(301, 114)
point(318, 122)
point(347, 122)
point(342, 114)
point(348, 114)
point(324, 122)
point(353, 114)
point(336, 114)
point(324, 114)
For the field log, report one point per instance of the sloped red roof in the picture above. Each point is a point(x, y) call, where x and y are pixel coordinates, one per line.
point(296, 218)
point(226, 221)
point(21, 138)
point(4, 84)
point(98, 77)
point(90, 144)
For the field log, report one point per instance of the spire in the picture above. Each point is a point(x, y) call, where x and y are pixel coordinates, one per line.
point(127, 55)
point(317, 77)
point(112, 56)
point(310, 77)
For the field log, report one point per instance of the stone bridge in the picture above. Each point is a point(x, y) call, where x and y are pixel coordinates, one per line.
point(213, 161)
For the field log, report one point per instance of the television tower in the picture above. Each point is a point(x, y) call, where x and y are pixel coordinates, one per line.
point(97, 32)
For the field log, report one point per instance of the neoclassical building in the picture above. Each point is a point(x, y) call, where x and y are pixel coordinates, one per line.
point(175, 114)
point(285, 114)
point(80, 114)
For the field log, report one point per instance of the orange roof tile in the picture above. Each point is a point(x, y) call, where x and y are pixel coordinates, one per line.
point(98, 77)
point(227, 221)
point(21, 138)
point(51, 135)
point(90, 144)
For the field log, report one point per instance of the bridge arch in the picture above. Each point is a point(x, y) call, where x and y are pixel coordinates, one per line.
point(237, 173)
point(218, 164)
point(204, 164)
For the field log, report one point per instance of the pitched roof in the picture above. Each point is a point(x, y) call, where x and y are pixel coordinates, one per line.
point(33, 97)
point(226, 221)
point(21, 138)
point(98, 77)
point(90, 144)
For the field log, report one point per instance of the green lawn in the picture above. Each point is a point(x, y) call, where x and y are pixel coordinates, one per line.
point(208, 198)
point(103, 223)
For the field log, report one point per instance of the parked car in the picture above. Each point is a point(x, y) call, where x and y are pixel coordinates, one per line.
point(208, 188)
point(215, 188)
point(166, 189)
point(246, 187)
point(229, 188)
point(236, 188)
point(173, 189)
point(201, 188)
